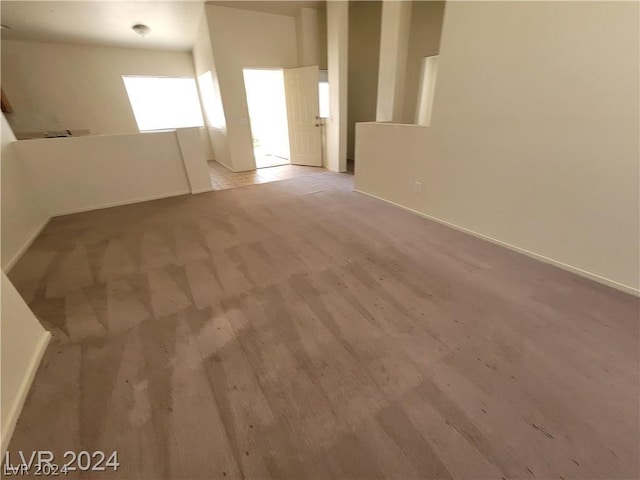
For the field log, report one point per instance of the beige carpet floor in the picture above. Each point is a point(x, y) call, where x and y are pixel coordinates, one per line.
point(297, 329)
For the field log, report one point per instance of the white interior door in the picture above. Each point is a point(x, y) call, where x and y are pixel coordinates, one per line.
point(305, 127)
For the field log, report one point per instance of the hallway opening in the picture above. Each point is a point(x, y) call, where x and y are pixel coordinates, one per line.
point(268, 116)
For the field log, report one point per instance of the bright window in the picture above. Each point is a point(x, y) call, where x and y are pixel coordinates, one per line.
point(323, 93)
point(163, 103)
point(323, 96)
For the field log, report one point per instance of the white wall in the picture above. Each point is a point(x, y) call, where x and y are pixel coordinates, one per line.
point(245, 39)
point(23, 344)
point(58, 86)
point(85, 173)
point(23, 213)
point(534, 135)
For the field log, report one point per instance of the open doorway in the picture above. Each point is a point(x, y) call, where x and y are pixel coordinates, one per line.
point(268, 116)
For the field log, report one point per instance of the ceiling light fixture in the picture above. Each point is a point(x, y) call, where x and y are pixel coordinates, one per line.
point(141, 29)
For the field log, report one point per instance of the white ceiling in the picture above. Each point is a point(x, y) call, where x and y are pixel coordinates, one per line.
point(97, 22)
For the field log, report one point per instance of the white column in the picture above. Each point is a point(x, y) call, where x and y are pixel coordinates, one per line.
point(394, 42)
point(337, 56)
point(190, 142)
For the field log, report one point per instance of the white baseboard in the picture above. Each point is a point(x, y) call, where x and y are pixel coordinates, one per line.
point(570, 268)
point(9, 424)
point(226, 166)
point(124, 202)
point(201, 190)
point(27, 243)
point(36, 231)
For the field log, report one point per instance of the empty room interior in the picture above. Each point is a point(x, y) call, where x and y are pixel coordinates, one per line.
point(320, 239)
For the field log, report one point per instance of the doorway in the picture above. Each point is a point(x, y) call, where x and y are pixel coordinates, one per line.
point(268, 116)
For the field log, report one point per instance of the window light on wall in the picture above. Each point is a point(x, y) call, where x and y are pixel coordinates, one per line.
point(211, 100)
point(427, 90)
point(163, 103)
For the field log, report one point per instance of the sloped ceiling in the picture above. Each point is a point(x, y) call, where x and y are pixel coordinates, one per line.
point(289, 8)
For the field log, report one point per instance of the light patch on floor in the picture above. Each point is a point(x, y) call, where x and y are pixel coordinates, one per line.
point(223, 178)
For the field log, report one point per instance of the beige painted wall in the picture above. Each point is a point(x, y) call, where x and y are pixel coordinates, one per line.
point(194, 159)
point(364, 51)
point(338, 66)
point(424, 41)
point(311, 31)
point(23, 213)
point(58, 86)
point(23, 343)
point(85, 173)
point(394, 42)
point(534, 135)
point(245, 39)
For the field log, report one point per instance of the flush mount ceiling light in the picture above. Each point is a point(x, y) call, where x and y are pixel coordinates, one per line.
point(141, 29)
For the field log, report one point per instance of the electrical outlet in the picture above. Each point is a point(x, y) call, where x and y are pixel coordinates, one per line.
point(416, 186)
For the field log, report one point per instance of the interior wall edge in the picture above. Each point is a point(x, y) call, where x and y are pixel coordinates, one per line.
point(26, 244)
point(10, 423)
point(556, 263)
point(225, 165)
point(176, 193)
point(201, 190)
point(194, 158)
point(24, 212)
